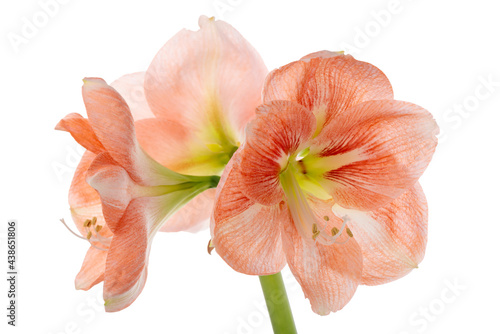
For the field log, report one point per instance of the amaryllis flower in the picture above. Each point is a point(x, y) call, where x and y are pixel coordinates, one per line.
point(192, 104)
point(189, 112)
point(326, 181)
point(136, 195)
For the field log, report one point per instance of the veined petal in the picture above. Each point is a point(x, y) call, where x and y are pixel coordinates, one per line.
point(92, 271)
point(279, 131)
point(194, 216)
point(126, 264)
point(84, 201)
point(131, 88)
point(327, 85)
point(246, 234)
point(328, 275)
point(81, 131)
point(392, 238)
point(322, 54)
point(113, 124)
point(373, 153)
point(173, 146)
point(211, 78)
point(114, 186)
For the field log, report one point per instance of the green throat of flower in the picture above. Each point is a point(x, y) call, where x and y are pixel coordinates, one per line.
point(300, 180)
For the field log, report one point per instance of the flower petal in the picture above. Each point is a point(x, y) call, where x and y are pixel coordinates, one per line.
point(81, 131)
point(113, 124)
point(126, 264)
point(194, 216)
point(206, 78)
point(84, 201)
point(114, 186)
point(246, 234)
point(328, 275)
point(92, 271)
point(327, 86)
point(374, 152)
point(392, 238)
point(131, 88)
point(279, 130)
point(173, 146)
point(322, 54)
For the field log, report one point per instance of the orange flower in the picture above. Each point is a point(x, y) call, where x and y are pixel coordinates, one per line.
point(189, 110)
point(327, 181)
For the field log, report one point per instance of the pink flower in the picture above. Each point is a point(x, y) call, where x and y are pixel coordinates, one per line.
point(327, 181)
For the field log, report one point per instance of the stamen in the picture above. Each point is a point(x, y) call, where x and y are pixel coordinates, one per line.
point(210, 247)
point(326, 218)
point(315, 231)
point(335, 231)
point(64, 223)
point(93, 235)
point(349, 232)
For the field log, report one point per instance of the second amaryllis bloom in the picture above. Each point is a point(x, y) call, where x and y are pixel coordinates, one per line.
point(121, 196)
point(327, 181)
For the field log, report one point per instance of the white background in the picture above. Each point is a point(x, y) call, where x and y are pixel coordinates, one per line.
point(436, 53)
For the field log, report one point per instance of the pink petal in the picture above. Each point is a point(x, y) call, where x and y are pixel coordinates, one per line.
point(392, 238)
point(84, 201)
point(171, 144)
point(328, 275)
point(114, 186)
point(113, 124)
point(322, 54)
point(193, 217)
point(126, 264)
point(131, 88)
point(280, 129)
point(206, 78)
point(81, 131)
point(245, 234)
point(92, 271)
point(327, 86)
point(378, 150)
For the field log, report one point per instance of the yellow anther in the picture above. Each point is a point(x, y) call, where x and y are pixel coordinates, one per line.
point(335, 231)
point(210, 247)
point(89, 235)
point(349, 232)
point(94, 220)
point(87, 223)
point(326, 218)
point(98, 228)
point(315, 231)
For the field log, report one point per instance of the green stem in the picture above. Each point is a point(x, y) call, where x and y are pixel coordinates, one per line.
point(277, 304)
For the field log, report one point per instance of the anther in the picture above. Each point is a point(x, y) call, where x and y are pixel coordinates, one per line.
point(89, 235)
point(87, 223)
point(335, 231)
point(349, 232)
point(326, 218)
point(98, 228)
point(315, 231)
point(94, 220)
point(210, 247)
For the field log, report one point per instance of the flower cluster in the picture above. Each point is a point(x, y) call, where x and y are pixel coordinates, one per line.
point(318, 167)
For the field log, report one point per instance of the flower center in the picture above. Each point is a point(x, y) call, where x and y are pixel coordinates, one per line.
point(312, 228)
point(94, 236)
